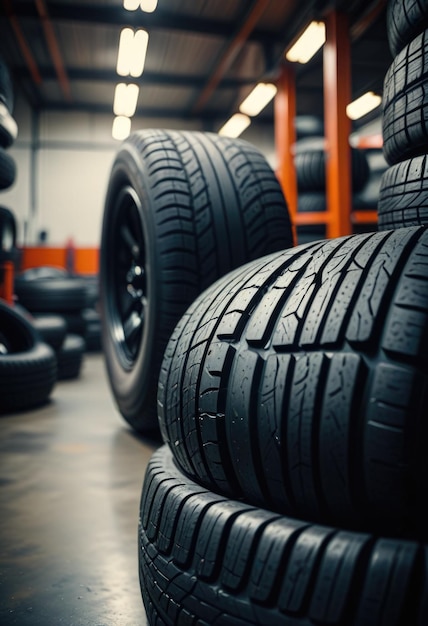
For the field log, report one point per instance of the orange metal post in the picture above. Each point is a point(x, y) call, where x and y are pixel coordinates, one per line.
point(285, 136)
point(7, 284)
point(337, 92)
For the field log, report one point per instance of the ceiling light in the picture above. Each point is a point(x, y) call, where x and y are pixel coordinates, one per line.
point(363, 105)
point(311, 40)
point(132, 52)
point(235, 126)
point(145, 5)
point(256, 101)
point(125, 99)
point(131, 5)
point(121, 127)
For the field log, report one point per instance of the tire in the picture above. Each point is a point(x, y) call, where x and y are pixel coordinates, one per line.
point(405, 20)
point(310, 163)
point(28, 366)
point(44, 272)
point(76, 323)
point(7, 170)
point(93, 330)
point(52, 328)
point(403, 195)
point(8, 127)
point(6, 87)
point(312, 201)
point(300, 384)
point(70, 357)
point(368, 197)
point(207, 560)
point(50, 295)
point(405, 103)
point(308, 126)
point(181, 210)
point(7, 235)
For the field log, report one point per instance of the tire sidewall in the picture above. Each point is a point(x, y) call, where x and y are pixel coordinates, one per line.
point(130, 379)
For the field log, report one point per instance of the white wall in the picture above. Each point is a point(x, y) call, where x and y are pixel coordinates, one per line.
point(63, 163)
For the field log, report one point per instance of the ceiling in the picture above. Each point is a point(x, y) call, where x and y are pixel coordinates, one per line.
point(204, 56)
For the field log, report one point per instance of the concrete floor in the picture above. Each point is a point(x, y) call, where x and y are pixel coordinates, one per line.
point(71, 474)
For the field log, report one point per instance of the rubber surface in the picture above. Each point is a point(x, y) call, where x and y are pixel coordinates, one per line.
point(7, 170)
point(310, 163)
point(52, 328)
point(8, 127)
point(210, 561)
point(300, 383)
point(7, 233)
point(6, 86)
point(70, 357)
point(198, 205)
point(368, 197)
point(405, 103)
point(50, 295)
point(405, 19)
point(28, 366)
point(403, 195)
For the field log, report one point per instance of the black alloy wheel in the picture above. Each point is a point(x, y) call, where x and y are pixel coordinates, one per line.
point(127, 298)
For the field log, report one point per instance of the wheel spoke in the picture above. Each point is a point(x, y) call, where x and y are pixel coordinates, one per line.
point(130, 241)
point(131, 328)
point(126, 304)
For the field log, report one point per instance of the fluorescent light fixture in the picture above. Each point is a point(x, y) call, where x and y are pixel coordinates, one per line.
point(309, 42)
point(125, 99)
point(131, 5)
point(145, 5)
point(132, 52)
point(121, 127)
point(256, 101)
point(235, 126)
point(363, 105)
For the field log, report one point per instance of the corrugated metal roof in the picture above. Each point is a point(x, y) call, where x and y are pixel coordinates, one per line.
point(203, 55)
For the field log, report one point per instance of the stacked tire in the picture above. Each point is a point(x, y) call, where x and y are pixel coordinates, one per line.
point(310, 163)
point(292, 403)
point(28, 365)
point(8, 128)
point(56, 301)
point(403, 199)
point(8, 134)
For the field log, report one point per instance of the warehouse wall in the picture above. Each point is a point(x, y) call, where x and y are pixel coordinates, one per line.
point(63, 162)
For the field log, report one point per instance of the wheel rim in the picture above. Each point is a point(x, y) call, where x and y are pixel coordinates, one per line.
point(127, 255)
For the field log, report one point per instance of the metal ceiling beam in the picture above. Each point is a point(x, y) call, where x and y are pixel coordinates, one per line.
point(22, 42)
point(230, 53)
point(148, 78)
point(145, 112)
point(160, 19)
point(53, 47)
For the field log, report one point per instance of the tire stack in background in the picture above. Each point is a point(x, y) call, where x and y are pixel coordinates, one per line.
point(292, 402)
point(34, 353)
point(367, 198)
point(57, 300)
point(8, 134)
point(8, 128)
point(28, 365)
point(403, 199)
point(310, 163)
